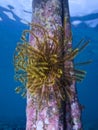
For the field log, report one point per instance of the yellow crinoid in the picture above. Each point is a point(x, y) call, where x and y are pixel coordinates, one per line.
point(45, 68)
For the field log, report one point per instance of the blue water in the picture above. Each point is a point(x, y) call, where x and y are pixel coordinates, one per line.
point(12, 106)
point(88, 89)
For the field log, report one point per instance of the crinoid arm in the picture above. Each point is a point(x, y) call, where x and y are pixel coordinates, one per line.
point(42, 69)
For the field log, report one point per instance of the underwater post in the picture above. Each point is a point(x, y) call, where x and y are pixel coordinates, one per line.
point(51, 23)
